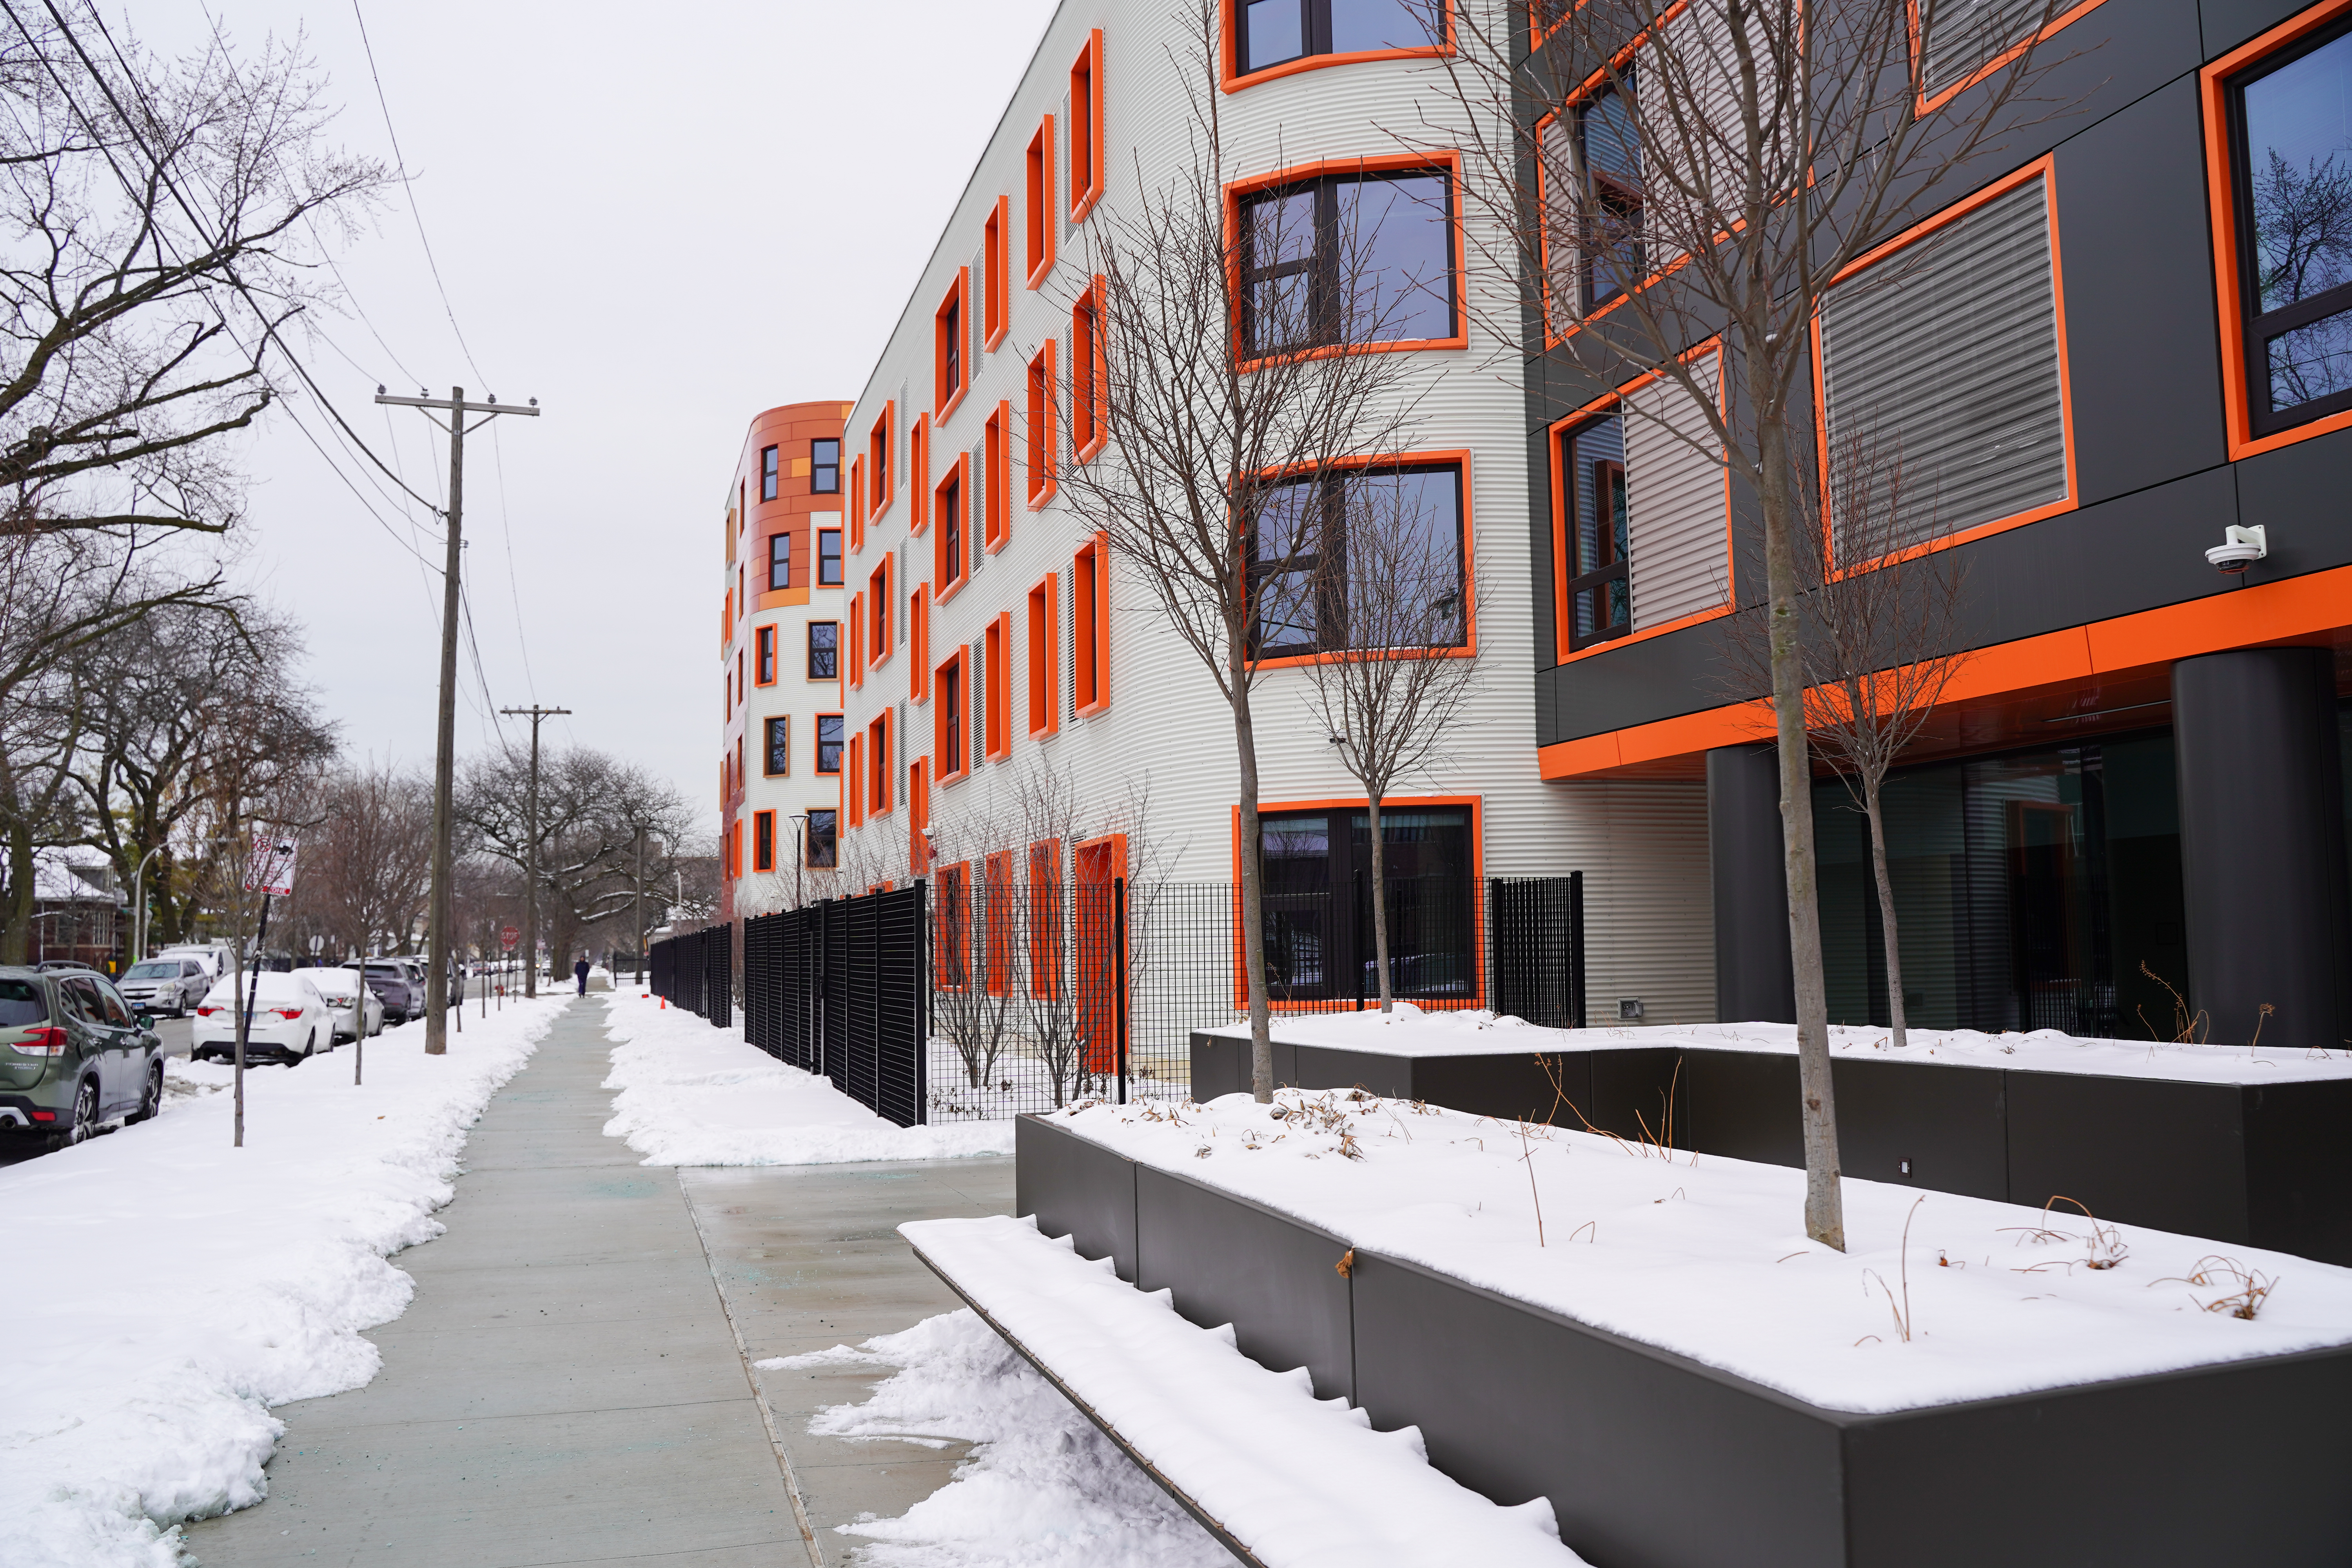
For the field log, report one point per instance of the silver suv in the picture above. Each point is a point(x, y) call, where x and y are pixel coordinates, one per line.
point(166, 984)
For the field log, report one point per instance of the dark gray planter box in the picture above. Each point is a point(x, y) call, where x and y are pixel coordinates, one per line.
point(1653, 1460)
point(2262, 1166)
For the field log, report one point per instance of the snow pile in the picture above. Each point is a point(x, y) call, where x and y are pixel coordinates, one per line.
point(1043, 1489)
point(167, 1288)
point(693, 1095)
point(1708, 1257)
point(1410, 1032)
point(1299, 1481)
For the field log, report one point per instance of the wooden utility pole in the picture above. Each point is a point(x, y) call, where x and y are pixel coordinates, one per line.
point(637, 905)
point(437, 940)
point(531, 850)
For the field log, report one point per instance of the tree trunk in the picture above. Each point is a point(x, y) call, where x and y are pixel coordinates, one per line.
point(1380, 902)
point(1825, 1201)
point(1251, 865)
point(1889, 936)
point(16, 919)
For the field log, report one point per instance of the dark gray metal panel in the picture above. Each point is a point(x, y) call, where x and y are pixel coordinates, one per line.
point(2229, 23)
point(1323, 1067)
point(1950, 1123)
point(2135, 1151)
point(1076, 1189)
point(2296, 495)
point(1677, 672)
point(2136, 243)
point(1650, 1460)
point(1743, 1104)
point(1636, 1093)
point(1220, 1066)
point(2262, 843)
point(1755, 979)
point(2299, 1168)
point(1276, 1281)
point(1512, 1085)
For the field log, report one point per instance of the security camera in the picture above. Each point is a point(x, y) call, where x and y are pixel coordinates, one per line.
point(2240, 548)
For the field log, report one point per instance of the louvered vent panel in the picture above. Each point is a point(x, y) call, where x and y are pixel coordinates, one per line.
point(1062, 163)
point(975, 509)
point(1965, 35)
point(975, 314)
point(1674, 504)
point(978, 696)
point(1945, 357)
point(899, 437)
point(1069, 647)
point(903, 575)
point(898, 738)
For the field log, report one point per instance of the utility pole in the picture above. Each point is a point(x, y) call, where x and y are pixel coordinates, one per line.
point(531, 850)
point(638, 911)
point(437, 940)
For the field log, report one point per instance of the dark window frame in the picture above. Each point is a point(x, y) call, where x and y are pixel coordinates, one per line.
point(779, 562)
point(1315, 32)
point(763, 656)
point(1617, 568)
point(825, 466)
point(949, 682)
point(1625, 246)
point(833, 747)
point(822, 846)
point(1324, 294)
point(777, 725)
point(1345, 939)
point(770, 471)
point(1330, 609)
point(828, 558)
point(830, 654)
point(763, 841)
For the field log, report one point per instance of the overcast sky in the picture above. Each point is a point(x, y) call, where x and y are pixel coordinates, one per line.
point(655, 220)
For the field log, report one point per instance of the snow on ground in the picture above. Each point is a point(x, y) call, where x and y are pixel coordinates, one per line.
point(165, 1288)
point(1044, 1489)
point(1409, 1031)
point(691, 1094)
point(1708, 1257)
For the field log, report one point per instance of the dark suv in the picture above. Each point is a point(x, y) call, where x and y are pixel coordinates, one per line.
point(73, 1055)
point(402, 997)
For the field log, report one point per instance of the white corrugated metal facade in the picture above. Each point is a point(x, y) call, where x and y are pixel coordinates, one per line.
point(1166, 732)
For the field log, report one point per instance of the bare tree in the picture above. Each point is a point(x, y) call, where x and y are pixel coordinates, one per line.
point(1216, 399)
point(1707, 170)
point(364, 867)
point(1396, 667)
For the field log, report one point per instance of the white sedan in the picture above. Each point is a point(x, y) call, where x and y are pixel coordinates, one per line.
point(290, 1019)
point(340, 986)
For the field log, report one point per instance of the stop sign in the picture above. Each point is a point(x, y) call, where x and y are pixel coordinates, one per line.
point(508, 935)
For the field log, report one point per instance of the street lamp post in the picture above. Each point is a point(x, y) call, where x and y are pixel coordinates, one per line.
point(800, 860)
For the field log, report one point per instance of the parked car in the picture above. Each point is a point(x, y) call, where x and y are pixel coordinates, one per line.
point(58, 965)
point(170, 985)
point(403, 997)
point(213, 955)
point(73, 1056)
point(290, 1019)
point(345, 993)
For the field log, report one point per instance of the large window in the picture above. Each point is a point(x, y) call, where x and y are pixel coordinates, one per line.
point(2292, 153)
point(1275, 32)
point(1319, 942)
point(1314, 597)
point(824, 467)
point(1350, 258)
point(780, 561)
point(828, 558)
point(828, 743)
point(779, 749)
point(825, 650)
point(1600, 593)
point(768, 472)
point(1609, 152)
point(824, 839)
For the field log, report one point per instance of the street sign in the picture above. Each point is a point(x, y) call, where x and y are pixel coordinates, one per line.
point(271, 869)
point(317, 942)
point(510, 935)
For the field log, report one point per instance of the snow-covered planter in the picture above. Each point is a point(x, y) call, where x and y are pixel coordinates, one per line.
point(1651, 1344)
point(2240, 1145)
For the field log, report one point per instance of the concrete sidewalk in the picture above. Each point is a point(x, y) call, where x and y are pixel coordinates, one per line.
point(567, 1386)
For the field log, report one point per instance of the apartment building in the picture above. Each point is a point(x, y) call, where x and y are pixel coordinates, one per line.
point(2116, 354)
point(1014, 702)
point(779, 663)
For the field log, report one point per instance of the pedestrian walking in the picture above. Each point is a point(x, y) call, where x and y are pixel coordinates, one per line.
point(579, 972)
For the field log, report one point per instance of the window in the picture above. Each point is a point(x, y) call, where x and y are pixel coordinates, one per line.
point(877, 612)
point(854, 786)
point(825, 650)
point(739, 677)
point(951, 962)
point(2291, 133)
point(1039, 220)
point(778, 763)
point(878, 747)
point(946, 716)
point(1040, 456)
point(768, 474)
point(824, 839)
point(735, 850)
point(1269, 32)
point(1609, 152)
point(1346, 259)
point(995, 452)
point(878, 460)
point(1091, 626)
point(995, 258)
point(780, 561)
point(1599, 537)
point(857, 501)
point(919, 642)
point(1045, 690)
point(824, 467)
point(994, 904)
point(918, 464)
point(857, 639)
point(946, 346)
point(765, 640)
point(1086, 128)
point(947, 550)
point(1318, 908)
point(995, 643)
point(1307, 601)
point(828, 743)
point(1947, 351)
point(828, 558)
point(1087, 373)
point(763, 841)
point(1047, 946)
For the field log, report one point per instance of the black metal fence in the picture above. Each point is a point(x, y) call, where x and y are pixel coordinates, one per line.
point(697, 972)
point(843, 989)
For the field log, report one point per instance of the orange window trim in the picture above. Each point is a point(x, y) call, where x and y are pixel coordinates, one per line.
point(918, 473)
point(1089, 373)
point(2045, 168)
point(878, 772)
point(1087, 129)
point(1090, 630)
point(1045, 944)
point(854, 786)
point(857, 640)
point(1562, 653)
point(1476, 804)
point(944, 397)
point(1229, 62)
point(857, 510)
point(877, 606)
point(919, 642)
point(1929, 104)
point(1448, 162)
point(948, 570)
point(998, 446)
point(877, 454)
point(995, 245)
point(1044, 696)
point(999, 640)
point(919, 817)
point(2237, 397)
point(951, 927)
point(1039, 220)
point(997, 911)
point(1040, 462)
point(763, 841)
